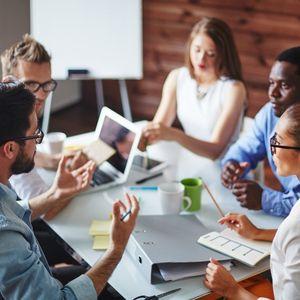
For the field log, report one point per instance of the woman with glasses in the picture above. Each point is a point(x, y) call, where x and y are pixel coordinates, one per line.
point(207, 95)
point(285, 251)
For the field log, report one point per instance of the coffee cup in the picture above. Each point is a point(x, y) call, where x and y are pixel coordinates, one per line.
point(193, 190)
point(54, 142)
point(171, 196)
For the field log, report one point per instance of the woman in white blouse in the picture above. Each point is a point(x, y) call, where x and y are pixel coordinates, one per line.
point(207, 95)
point(285, 251)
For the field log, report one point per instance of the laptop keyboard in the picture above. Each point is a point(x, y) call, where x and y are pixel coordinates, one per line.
point(100, 178)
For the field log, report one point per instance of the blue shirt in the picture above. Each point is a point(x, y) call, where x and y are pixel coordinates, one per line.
point(254, 147)
point(24, 271)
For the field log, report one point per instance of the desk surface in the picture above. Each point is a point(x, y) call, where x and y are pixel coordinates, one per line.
point(73, 222)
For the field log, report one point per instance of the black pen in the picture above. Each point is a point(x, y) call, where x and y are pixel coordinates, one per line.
point(126, 214)
point(148, 178)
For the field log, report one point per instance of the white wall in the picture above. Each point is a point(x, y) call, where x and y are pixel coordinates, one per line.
point(14, 22)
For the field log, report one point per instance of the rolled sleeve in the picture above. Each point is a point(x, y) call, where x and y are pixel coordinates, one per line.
point(83, 287)
point(277, 203)
point(24, 276)
point(24, 204)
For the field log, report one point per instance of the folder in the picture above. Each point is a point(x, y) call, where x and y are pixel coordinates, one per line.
point(161, 239)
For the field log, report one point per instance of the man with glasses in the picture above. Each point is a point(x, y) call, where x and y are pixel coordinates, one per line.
point(29, 61)
point(24, 271)
point(244, 155)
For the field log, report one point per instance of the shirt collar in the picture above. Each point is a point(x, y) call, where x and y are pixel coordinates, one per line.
point(9, 197)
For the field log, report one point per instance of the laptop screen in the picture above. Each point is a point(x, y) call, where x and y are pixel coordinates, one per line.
point(121, 139)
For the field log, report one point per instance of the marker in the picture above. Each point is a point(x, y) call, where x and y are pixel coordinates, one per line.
point(143, 188)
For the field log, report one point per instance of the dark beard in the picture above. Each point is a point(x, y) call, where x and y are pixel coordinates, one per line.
point(22, 164)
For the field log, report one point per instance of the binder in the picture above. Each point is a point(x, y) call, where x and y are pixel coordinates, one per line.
point(160, 239)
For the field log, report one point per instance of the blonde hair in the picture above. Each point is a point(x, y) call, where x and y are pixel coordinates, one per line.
point(228, 62)
point(28, 49)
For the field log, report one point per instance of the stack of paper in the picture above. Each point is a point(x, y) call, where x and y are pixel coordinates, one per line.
point(176, 271)
point(100, 231)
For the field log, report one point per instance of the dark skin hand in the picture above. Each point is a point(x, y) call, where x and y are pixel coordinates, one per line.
point(232, 171)
point(248, 193)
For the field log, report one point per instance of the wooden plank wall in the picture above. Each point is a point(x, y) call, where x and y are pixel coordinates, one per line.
point(262, 29)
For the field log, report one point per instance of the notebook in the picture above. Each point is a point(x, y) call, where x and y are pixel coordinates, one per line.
point(232, 244)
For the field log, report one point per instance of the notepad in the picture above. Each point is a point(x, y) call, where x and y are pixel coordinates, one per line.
point(100, 228)
point(101, 242)
point(232, 244)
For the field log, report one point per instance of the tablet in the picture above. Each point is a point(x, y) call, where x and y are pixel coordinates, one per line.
point(148, 164)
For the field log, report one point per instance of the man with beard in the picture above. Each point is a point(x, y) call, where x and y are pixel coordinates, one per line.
point(284, 91)
point(29, 61)
point(24, 271)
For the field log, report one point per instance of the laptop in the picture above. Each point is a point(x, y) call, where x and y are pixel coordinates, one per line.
point(123, 136)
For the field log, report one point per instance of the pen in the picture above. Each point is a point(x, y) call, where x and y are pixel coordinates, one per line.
point(126, 214)
point(143, 188)
point(148, 178)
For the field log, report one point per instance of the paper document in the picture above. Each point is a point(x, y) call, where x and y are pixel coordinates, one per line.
point(98, 151)
point(176, 271)
point(101, 242)
point(232, 244)
point(100, 228)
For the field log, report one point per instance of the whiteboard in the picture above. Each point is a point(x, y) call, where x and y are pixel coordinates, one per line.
point(101, 36)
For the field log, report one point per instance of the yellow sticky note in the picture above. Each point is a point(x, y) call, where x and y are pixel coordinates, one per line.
point(100, 227)
point(101, 242)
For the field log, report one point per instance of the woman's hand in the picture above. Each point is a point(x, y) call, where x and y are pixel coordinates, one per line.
point(219, 280)
point(241, 224)
point(155, 132)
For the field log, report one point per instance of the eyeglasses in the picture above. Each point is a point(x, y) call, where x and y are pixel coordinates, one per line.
point(38, 137)
point(34, 86)
point(275, 144)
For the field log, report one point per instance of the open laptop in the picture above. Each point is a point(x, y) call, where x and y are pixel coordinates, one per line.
point(123, 137)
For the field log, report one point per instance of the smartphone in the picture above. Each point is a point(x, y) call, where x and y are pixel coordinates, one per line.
point(148, 164)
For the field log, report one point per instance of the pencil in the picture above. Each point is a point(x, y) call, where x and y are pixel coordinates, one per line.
point(214, 200)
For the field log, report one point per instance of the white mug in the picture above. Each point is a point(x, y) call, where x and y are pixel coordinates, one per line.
point(171, 196)
point(54, 142)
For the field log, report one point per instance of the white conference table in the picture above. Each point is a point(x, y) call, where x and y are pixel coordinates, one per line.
point(73, 223)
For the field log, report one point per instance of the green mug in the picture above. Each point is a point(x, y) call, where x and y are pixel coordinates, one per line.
point(192, 189)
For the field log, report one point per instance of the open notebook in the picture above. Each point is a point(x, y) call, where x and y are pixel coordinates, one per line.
point(232, 244)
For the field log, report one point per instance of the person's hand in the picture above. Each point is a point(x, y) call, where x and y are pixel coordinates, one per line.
point(248, 193)
point(219, 280)
point(143, 143)
point(232, 171)
point(155, 132)
point(76, 160)
point(68, 183)
point(121, 230)
point(240, 224)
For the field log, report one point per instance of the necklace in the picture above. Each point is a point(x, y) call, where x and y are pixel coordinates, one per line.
point(201, 92)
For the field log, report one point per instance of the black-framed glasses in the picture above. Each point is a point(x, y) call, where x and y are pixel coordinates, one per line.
point(275, 144)
point(34, 86)
point(38, 137)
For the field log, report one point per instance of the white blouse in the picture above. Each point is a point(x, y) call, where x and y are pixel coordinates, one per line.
point(198, 117)
point(285, 257)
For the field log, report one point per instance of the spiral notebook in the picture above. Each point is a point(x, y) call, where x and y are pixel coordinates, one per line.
point(232, 244)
